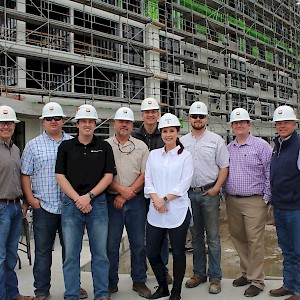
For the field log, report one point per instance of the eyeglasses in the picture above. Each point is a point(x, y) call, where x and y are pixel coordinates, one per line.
point(129, 148)
point(195, 117)
point(49, 119)
point(7, 123)
point(241, 123)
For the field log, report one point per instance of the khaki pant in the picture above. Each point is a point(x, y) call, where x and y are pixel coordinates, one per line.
point(247, 217)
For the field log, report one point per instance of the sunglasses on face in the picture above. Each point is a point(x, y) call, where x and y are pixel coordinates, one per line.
point(49, 119)
point(7, 123)
point(195, 117)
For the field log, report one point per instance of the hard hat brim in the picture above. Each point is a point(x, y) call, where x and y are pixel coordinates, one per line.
point(98, 121)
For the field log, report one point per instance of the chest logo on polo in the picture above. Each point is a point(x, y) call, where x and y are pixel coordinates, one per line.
point(96, 151)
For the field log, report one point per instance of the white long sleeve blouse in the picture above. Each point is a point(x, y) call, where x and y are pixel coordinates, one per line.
point(169, 173)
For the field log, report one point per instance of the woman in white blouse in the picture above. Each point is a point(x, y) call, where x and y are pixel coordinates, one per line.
point(168, 176)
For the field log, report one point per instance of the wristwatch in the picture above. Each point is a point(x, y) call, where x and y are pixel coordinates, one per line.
point(166, 199)
point(92, 196)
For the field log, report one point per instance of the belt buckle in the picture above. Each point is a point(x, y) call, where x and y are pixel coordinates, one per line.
point(198, 189)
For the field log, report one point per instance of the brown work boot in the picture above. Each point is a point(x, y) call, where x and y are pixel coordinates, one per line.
point(215, 286)
point(280, 292)
point(294, 297)
point(241, 281)
point(21, 297)
point(195, 281)
point(83, 294)
point(105, 299)
point(113, 288)
point(141, 289)
point(252, 291)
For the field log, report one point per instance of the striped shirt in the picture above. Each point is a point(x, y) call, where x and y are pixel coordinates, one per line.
point(249, 168)
point(38, 161)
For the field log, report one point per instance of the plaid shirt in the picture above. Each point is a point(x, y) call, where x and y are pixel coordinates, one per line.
point(249, 168)
point(38, 161)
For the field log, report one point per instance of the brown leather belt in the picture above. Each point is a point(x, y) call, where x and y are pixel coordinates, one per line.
point(10, 201)
point(203, 188)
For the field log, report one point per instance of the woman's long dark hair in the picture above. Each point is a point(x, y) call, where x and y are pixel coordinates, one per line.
point(178, 143)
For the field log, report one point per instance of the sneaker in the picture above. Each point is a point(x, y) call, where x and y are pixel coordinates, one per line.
point(141, 289)
point(113, 288)
point(242, 281)
point(215, 286)
point(280, 292)
point(195, 281)
point(83, 294)
point(169, 278)
point(252, 291)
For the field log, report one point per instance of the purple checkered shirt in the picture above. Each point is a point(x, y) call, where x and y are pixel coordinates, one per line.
point(249, 168)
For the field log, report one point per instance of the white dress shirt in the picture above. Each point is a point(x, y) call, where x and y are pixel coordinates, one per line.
point(169, 173)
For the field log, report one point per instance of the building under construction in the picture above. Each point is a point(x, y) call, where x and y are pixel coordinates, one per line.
point(226, 53)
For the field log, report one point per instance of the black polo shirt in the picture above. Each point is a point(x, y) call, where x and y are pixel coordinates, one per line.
point(84, 165)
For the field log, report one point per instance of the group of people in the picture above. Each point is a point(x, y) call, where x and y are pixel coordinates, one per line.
point(157, 185)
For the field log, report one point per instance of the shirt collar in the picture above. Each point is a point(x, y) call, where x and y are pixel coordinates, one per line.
point(50, 138)
point(8, 145)
point(203, 133)
point(92, 143)
point(117, 142)
point(248, 141)
point(172, 152)
point(281, 141)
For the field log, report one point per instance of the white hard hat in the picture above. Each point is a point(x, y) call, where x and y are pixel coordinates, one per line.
point(7, 114)
point(86, 111)
point(149, 104)
point(239, 114)
point(198, 108)
point(168, 120)
point(52, 109)
point(124, 113)
point(284, 113)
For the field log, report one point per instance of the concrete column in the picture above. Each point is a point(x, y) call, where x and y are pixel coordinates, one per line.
point(152, 62)
point(21, 40)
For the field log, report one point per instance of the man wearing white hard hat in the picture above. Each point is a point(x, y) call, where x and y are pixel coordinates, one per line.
point(126, 202)
point(84, 168)
point(248, 194)
point(44, 195)
point(148, 133)
point(211, 160)
point(285, 188)
point(10, 206)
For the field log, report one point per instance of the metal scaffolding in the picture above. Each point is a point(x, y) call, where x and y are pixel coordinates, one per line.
point(226, 53)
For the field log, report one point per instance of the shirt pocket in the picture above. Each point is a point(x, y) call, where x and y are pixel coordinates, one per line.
point(207, 151)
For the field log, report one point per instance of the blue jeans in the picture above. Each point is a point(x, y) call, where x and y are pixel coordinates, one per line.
point(133, 216)
point(45, 226)
point(73, 225)
point(288, 227)
point(10, 229)
point(206, 215)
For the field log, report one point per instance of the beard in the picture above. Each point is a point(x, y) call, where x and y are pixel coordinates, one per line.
point(198, 126)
